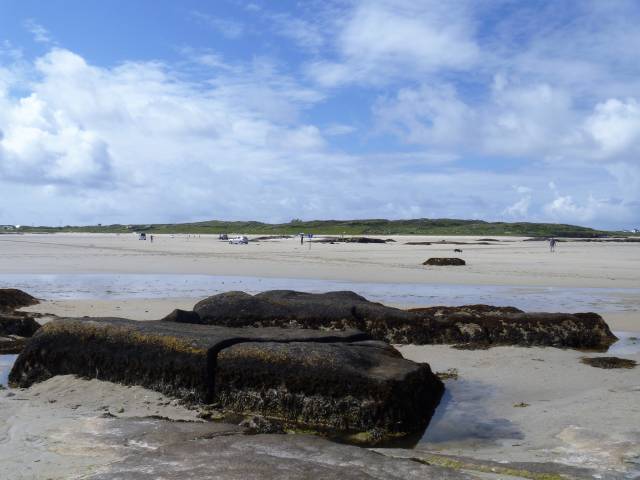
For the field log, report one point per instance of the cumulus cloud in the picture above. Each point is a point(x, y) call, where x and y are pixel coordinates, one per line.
point(381, 40)
point(137, 128)
point(615, 128)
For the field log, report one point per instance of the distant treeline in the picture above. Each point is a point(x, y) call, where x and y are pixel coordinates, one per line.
point(422, 226)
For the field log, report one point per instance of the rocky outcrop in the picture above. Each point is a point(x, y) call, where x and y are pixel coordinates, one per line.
point(480, 326)
point(15, 326)
point(472, 325)
point(12, 299)
point(288, 308)
point(331, 386)
point(443, 261)
point(339, 381)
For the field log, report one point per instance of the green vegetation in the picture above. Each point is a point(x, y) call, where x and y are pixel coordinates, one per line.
point(422, 226)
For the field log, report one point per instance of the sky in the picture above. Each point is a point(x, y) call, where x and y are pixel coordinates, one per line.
point(162, 111)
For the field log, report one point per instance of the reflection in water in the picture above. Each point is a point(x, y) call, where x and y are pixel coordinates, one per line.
point(462, 418)
point(6, 362)
point(115, 286)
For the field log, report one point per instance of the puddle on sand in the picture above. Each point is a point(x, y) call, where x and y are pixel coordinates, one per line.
point(628, 344)
point(116, 286)
point(462, 419)
point(6, 362)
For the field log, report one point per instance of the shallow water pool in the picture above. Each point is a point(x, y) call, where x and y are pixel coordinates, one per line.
point(6, 362)
point(116, 286)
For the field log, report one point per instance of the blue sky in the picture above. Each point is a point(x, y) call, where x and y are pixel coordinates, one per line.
point(162, 111)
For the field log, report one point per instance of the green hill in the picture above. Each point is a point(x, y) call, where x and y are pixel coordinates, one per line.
point(422, 226)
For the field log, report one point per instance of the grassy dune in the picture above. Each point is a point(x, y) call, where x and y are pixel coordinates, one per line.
point(423, 226)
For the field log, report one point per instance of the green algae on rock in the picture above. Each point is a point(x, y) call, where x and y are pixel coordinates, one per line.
point(338, 381)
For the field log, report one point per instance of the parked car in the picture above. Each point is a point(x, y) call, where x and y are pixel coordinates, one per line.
point(240, 240)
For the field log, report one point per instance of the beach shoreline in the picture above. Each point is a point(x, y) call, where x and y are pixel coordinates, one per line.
point(504, 404)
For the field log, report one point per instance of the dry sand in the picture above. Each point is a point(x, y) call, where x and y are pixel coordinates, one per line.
point(508, 262)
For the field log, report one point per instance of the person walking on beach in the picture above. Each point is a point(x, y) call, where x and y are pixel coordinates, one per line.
point(301, 238)
point(151, 238)
point(552, 244)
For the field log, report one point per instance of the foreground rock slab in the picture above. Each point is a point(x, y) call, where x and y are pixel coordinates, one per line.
point(470, 325)
point(339, 381)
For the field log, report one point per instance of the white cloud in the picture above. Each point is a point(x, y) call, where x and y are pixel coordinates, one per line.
point(520, 209)
point(306, 34)
point(431, 114)
point(615, 127)
point(40, 34)
point(381, 40)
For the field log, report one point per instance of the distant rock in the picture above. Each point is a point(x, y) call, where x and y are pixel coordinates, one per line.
point(443, 261)
point(353, 240)
point(339, 381)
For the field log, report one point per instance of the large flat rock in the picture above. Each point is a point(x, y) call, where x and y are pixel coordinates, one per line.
point(337, 380)
point(479, 325)
point(339, 387)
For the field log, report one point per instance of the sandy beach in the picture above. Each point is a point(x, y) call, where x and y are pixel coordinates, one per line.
point(507, 404)
point(509, 261)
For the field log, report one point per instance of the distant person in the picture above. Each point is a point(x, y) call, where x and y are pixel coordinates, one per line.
point(301, 239)
point(552, 244)
point(151, 238)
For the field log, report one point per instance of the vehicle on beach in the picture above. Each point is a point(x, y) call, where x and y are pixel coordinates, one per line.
point(239, 240)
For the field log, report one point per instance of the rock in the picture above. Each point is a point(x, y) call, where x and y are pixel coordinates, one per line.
point(481, 326)
point(442, 261)
point(242, 457)
point(297, 384)
point(259, 424)
point(15, 324)
point(443, 311)
point(337, 380)
point(287, 308)
point(182, 316)
point(12, 299)
point(609, 362)
point(11, 344)
point(353, 240)
point(468, 326)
